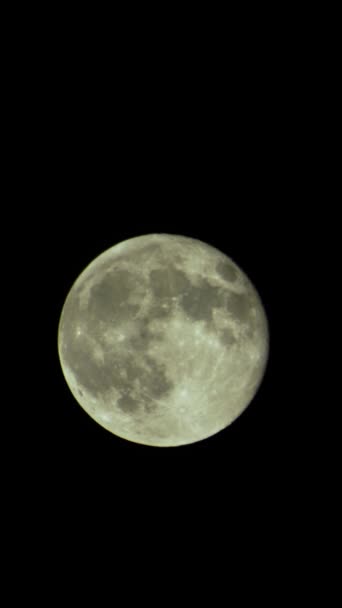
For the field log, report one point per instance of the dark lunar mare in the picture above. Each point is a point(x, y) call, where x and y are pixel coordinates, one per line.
point(199, 301)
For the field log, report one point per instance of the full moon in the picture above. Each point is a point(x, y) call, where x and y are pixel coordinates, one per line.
point(163, 340)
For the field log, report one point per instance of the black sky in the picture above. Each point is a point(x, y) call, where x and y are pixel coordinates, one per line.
point(219, 130)
point(218, 159)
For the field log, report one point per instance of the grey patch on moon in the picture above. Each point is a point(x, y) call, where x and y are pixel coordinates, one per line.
point(126, 403)
point(141, 340)
point(154, 379)
point(238, 304)
point(199, 302)
point(159, 283)
point(150, 382)
point(161, 309)
point(226, 271)
point(226, 337)
point(109, 299)
point(144, 336)
point(169, 281)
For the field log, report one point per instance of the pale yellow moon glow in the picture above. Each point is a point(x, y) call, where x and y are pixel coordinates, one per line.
point(163, 340)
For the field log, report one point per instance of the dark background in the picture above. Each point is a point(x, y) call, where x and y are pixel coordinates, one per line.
point(219, 150)
point(205, 134)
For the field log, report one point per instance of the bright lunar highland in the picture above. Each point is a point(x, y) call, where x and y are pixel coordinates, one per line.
point(163, 340)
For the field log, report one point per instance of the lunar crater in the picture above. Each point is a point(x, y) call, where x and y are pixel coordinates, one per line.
point(227, 271)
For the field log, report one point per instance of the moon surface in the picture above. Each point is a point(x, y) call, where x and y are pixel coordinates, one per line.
point(163, 340)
